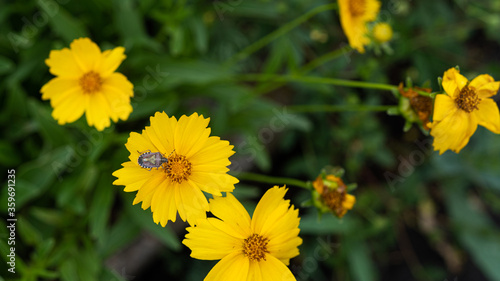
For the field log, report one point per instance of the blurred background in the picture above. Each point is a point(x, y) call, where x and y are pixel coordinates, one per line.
point(418, 215)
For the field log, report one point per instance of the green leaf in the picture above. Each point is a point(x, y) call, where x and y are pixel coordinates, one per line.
point(360, 262)
point(52, 133)
point(33, 178)
point(100, 208)
point(66, 26)
point(474, 229)
point(27, 232)
point(6, 65)
point(121, 233)
point(310, 224)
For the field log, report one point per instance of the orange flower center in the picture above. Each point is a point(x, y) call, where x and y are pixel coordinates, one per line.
point(467, 99)
point(255, 247)
point(178, 168)
point(90, 82)
point(357, 7)
point(334, 199)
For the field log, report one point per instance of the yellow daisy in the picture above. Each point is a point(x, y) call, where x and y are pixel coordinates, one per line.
point(330, 194)
point(87, 83)
point(354, 15)
point(257, 248)
point(196, 163)
point(465, 105)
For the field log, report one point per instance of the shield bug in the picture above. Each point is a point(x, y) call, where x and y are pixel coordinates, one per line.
point(150, 160)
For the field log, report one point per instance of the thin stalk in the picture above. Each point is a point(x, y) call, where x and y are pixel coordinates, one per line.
point(316, 80)
point(305, 69)
point(259, 44)
point(272, 180)
point(337, 108)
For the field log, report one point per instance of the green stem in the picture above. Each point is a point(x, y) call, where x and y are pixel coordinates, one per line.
point(338, 108)
point(272, 180)
point(316, 80)
point(277, 33)
point(305, 69)
point(324, 59)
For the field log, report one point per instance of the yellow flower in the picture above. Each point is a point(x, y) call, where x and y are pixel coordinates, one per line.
point(196, 163)
point(354, 15)
point(331, 195)
point(465, 105)
point(382, 32)
point(87, 83)
point(248, 249)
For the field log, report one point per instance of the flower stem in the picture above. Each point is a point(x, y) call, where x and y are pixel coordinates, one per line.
point(316, 80)
point(272, 180)
point(338, 108)
point(276, 34)
point(305, 69)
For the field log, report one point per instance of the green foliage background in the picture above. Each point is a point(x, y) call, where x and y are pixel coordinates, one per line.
point(438, 219)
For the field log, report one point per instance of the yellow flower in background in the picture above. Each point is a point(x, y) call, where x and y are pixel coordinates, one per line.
point(196, 163)
point(87, 83)
point(465, 105)
point(331, 195)
point(382, 32)
point(354, 15)
point(257, 248)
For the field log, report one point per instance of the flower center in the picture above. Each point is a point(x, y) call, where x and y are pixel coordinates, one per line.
point(467, 99)
point(357, 7)
point(334, 199)
point(90, 82)
point(178, 168)
point(255, 247)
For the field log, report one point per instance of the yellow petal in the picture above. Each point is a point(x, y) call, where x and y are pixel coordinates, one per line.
point(454, 131)
point(145, 194)
point(214, 152)
point(487, 90)
point(270, 269)
point(233, 267)
point(488, 115)
point(137, 144)
point(59, 87)
point(191, 203)
point(87, 54)
point(214, 183)
point(62, 63)
point(98, 111)
point(119, 104)
point(270, 209)
point(349, 201)
point(210, 243)
point(120, 83)
point(132, 176)
point(161, 132)
point(70, 108)
point(232, 212)
point(163, 203)
point(191, 134)
point(285, 246)
point(444, 105)
point(111, 59)
point(453, 82)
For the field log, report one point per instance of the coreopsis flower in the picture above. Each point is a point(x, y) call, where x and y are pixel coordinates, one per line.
point(354, 16)
point(330, 195)
point(464, 106)
point(382, 32)
point(257, 248)
point(420, 107)
point(196, 162)
point(87, 83)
